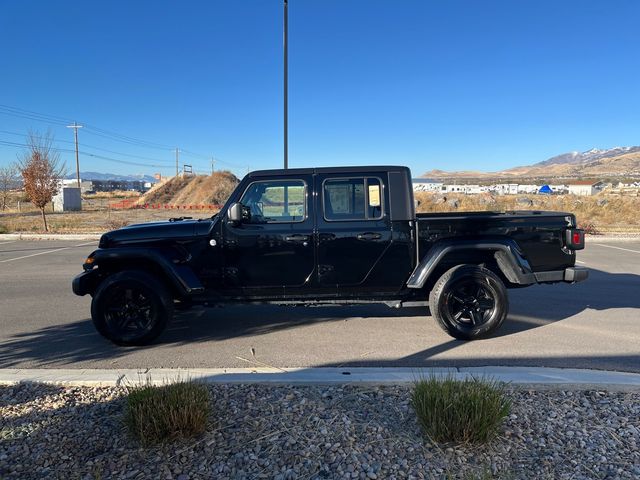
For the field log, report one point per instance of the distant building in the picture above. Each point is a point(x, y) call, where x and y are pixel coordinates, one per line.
point(68, 199)
point(125, 185)
point(466, 189)
point(426, 185)
point(584, 187)
point(85, 185)
point(528, 188)
point(504, 188)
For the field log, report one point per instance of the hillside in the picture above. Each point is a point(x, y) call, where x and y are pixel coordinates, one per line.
point(616, 162)
point(193, 190)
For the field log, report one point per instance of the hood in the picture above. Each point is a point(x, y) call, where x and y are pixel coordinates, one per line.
point(156, 232)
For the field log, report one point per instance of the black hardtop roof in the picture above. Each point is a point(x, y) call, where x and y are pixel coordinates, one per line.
point(311, 171)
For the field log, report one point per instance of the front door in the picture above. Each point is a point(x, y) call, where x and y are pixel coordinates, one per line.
point(272, 250)
point(353, 233)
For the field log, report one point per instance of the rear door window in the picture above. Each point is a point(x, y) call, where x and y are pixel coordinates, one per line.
point(352, 199)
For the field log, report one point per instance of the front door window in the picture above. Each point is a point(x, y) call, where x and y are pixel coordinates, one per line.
point(275, 201)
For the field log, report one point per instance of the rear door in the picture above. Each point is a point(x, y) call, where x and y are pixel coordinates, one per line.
point(353, 232)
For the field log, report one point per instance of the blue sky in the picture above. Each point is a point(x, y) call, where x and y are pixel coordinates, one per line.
point(453, 85)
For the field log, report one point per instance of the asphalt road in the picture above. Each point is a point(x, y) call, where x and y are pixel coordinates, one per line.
point(595, 324)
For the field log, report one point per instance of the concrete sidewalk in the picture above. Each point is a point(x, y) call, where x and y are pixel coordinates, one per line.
point(519, 376)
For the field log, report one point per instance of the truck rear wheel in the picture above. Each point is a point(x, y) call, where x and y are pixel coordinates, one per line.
point(469, 302)
point(131, 308)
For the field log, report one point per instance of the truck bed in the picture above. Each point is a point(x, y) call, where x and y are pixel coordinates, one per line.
point(538, 233)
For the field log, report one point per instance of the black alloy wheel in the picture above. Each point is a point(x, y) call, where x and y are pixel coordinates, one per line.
point(469, 302)
point(129, 313)
point(131, 308)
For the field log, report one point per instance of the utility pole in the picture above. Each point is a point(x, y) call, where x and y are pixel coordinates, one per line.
point(177, 157)
point(75, 127)
point(213, 161)
point(286, 84)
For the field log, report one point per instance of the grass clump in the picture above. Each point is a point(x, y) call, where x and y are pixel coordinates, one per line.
point(460, 411)
point(155, 414)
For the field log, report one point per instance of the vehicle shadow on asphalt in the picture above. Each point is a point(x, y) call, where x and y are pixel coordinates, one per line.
point(533, 307)
point(541, 305)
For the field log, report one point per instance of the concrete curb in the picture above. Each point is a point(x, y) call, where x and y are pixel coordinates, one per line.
point(612, 238)
point(533, 377)
point(50, 236)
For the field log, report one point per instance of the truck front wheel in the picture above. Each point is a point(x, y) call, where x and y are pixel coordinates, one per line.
point(131, 308)
point(469, 302)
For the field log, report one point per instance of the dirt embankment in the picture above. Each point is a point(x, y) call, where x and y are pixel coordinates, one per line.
point(193, 190)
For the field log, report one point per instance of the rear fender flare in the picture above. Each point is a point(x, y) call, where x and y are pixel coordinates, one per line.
point(506, 252)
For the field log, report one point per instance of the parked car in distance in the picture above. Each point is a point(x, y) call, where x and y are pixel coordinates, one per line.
point(338, 235)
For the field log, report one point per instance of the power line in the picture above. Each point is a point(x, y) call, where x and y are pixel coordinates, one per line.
point(42, 117)
point(90, 146)
point(88, 154)
point(99, 132)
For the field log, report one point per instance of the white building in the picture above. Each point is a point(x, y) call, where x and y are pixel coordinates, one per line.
point(584, 187)
point(466, 189)
point(85, 185)
point(505, 188)
point(426, 185)
point(528, 188)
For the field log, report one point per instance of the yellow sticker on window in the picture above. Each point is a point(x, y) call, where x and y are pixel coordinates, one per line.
point(374, 195)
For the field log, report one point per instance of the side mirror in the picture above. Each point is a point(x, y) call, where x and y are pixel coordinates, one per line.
point(234, 214)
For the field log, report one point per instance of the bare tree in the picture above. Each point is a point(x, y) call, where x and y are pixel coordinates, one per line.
point(41, 171)
point(7, 182)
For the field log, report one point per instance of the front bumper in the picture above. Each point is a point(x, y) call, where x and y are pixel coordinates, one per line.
point(85, 283)
point(569, 275)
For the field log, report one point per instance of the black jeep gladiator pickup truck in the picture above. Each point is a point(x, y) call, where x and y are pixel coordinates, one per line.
point(327, 235)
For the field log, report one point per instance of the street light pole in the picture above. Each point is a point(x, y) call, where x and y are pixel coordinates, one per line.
point(286, 84)
point(75, 127)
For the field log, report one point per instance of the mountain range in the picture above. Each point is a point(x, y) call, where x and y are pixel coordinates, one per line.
point(595, 163)
point(113, 176)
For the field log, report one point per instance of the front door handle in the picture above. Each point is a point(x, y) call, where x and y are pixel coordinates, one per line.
point(369, 236)
point(297, 238)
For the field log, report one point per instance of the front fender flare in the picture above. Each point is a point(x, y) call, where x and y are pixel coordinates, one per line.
point(177, 273)
point(506, 252)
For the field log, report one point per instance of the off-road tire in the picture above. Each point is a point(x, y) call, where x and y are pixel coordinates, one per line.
point(129, 291)
point(475, 295)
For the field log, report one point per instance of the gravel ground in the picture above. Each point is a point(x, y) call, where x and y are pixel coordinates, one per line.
point(315, 432)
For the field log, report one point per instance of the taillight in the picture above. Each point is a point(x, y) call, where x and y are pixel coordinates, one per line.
point(577, 238)
point(574, 238)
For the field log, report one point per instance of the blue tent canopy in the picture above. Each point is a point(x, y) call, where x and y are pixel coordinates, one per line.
point(545, 190)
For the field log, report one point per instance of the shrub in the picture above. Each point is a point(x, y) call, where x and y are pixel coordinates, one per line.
point(3, 229)
point(461, 411)
point(155, 414)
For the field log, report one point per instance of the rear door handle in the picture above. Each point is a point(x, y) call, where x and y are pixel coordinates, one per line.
point(369, 236)
point(297, 238)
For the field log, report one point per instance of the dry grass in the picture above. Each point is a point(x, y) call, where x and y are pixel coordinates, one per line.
point(116, 194)
point(93, 221)
point(460, 411)
point(607, 213)
point(157, 414)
